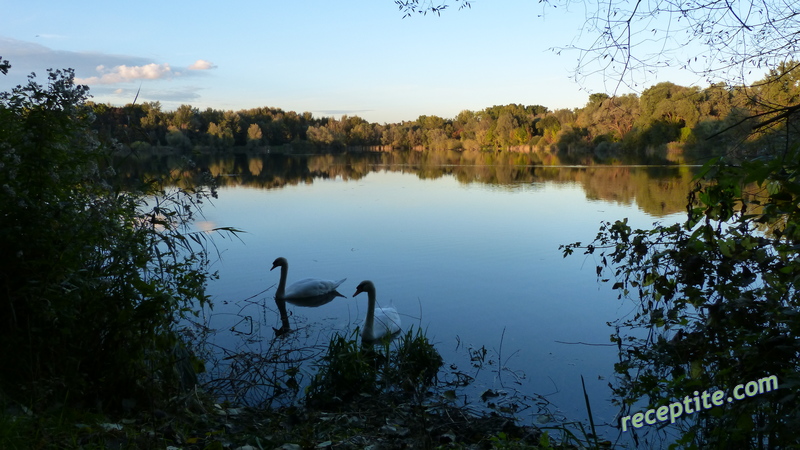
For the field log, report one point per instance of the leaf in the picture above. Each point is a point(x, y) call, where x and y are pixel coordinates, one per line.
point(544, 440)
point(725, 248)
point(710, 164)
point(697, 368)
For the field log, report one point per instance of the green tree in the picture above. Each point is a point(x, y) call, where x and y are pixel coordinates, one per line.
point(549, 125)
point(431, 122)
point(781, 86)
point(93, 279)
point(233, 125)
point(597, 99)
point(154, 123)
point(716, 101)
point(278, 131)
point(320, 135)
point(616, 115)
point(221, 135)
point(505, 130)
point(395, 136)
point(178, 139)
point(482, 128)
point(436, 139)
point(186, 118)
point(670, 103)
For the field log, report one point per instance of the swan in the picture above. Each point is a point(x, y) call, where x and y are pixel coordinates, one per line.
point(308, 292)
point(379, 321)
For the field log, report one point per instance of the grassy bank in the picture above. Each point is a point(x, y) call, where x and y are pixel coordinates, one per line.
point(388, 396)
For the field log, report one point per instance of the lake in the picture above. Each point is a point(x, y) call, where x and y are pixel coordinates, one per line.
point(465, 247)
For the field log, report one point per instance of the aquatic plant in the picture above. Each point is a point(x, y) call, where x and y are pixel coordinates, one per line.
point(350, 369)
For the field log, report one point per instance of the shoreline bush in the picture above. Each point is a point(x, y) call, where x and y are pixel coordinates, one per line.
point(94, 276)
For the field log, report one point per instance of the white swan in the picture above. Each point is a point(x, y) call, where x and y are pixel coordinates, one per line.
point(379, 321)
point(308, 292)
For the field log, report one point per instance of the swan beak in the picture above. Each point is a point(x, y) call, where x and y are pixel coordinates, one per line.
point(273, 266)
point(358, 291)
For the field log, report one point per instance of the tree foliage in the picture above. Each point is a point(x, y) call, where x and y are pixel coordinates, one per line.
point(718, 298)
point(94, 276)
point(409, 7)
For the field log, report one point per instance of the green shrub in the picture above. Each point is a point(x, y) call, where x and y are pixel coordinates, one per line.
point(415, 363)
point(350, 369)
point(346, 371)
point(93, 277)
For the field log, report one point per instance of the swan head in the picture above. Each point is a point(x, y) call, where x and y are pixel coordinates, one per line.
point(364, 286)
point(279, 262)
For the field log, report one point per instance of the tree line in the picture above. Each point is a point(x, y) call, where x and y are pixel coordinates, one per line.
point(666, 122)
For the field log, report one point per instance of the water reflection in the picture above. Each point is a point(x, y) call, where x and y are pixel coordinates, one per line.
point(658, 191)
point(314, 301)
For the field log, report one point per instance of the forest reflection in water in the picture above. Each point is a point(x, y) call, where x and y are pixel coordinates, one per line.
point(656, 190)
point(464, 245)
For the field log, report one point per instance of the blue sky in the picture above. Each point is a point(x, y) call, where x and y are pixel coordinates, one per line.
point(357, 57)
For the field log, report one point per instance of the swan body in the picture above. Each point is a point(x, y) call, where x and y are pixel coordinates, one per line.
point(379, 322)
point(301, 291)
point(308, 292)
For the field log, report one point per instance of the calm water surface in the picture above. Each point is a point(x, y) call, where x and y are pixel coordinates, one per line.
point(473, 262)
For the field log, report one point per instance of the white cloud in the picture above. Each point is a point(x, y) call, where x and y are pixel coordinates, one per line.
point(124, 73)
point(27, 57)
point(202, 64)
point(111, 76)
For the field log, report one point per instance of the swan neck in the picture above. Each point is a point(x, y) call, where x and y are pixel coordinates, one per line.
point(279, 297)
point(282, 283)
point(370, 320)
